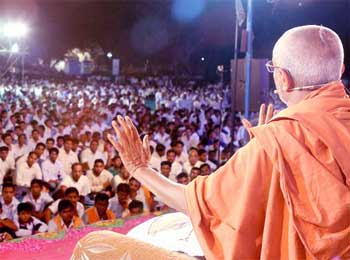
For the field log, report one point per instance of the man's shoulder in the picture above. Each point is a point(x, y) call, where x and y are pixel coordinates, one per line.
point(107, 173)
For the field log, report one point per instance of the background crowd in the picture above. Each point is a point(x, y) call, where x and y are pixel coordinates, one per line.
point(59, 171)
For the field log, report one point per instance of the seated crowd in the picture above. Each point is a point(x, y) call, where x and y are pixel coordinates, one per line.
point(59, 171)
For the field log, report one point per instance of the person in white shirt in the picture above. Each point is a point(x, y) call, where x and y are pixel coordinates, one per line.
point(20, 148)
point(119, 203)
point(193, 161)
point(66, 156)
point(90, 155)
point(203, 158)
point(70, 194)
point(8, 201)
point(176, 167)
point(162, 137)
point(49, 129)
point(7, 163)
point(181, 155)
point(38, 198)
point(99, 178)
point(50, 143)
point(28, 170)
point(27, 224)
point(66, 218)
point(190, 138)
point(34, 139)
point(53, 171)
point(76, 180)
point(123, 177)
point(39, 150)
point(157, 157)
point(8, 141)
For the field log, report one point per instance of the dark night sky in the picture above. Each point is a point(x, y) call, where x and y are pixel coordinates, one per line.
point(117, 26)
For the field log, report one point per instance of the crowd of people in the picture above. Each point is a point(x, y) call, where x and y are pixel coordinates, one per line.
point(59, 171)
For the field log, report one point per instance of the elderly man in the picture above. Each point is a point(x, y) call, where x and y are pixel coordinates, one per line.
point(285, 195)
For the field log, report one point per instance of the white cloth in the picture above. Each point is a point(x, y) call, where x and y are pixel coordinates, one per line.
point(172, 231)
point(40, 203)
point(67, 159)
point(82, 185)
point(52, 171)
point(87, 156)
point(26, 174)
point(97, 182)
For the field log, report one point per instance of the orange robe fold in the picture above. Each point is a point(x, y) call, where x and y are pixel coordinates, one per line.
point(286, 194)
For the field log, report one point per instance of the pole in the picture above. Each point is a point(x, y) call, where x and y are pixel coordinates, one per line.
point(248, 58)
point(22, 69)
point(221, 117)
point(234, 86)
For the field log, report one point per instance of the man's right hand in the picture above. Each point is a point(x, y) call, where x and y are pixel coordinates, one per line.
point(265, 115)
point(133, 152)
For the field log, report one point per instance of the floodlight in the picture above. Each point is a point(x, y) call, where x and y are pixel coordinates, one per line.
point(15, 30)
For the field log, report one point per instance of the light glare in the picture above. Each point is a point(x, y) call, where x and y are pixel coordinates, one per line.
point(15, 30)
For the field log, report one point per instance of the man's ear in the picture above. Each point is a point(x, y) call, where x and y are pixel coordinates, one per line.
point(342, 69)
point(287, 79)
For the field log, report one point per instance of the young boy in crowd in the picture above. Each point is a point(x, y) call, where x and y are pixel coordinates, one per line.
point(70, 194)
point(135, 207)
point(183, 178)
point(66, 218)
point(6, 225)
point(8, 201)
point(120, 202)
point(38, 198)
point(26, 223)
point(99, 211)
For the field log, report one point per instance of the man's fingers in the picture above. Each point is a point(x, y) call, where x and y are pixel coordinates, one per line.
point(246, 123)
point(262, 114)
point(146, 147)
point(120, 134)
point(125, 128)
point(269, 113)
point(133, 131)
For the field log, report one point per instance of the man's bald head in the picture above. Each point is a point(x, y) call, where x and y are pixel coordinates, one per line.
point(312, 54)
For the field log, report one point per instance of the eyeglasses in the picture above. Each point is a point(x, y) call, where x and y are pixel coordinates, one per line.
point(270, 67)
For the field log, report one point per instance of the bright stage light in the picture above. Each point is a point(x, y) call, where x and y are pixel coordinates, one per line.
point(14, 48)
point(109, 55)
point(15, 30)
point(202, 59)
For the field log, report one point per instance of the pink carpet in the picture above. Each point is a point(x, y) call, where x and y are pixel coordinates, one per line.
point(60, 246)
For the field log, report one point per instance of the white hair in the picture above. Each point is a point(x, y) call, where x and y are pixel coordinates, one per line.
point(312, 54)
